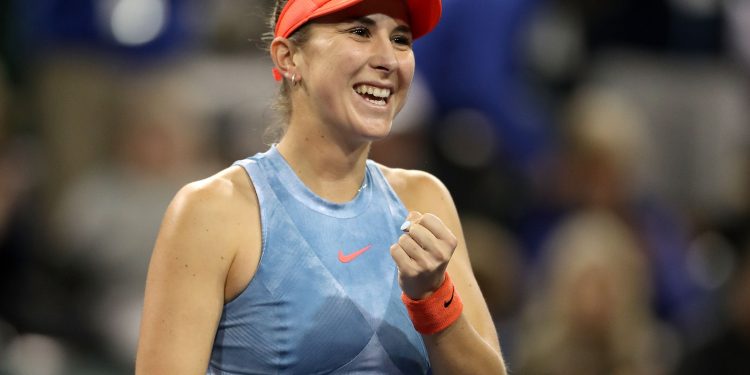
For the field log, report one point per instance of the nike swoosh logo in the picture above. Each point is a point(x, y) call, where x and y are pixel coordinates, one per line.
point(448, 302)
point(350, 257)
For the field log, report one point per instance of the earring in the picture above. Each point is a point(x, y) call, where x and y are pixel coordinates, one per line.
point(294, 78)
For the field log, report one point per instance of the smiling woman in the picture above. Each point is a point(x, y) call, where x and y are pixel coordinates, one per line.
point(345, 38)
point(295, 260)
point(348, 53)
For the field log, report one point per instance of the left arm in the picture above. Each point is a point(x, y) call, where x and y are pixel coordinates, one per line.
point(434, 243)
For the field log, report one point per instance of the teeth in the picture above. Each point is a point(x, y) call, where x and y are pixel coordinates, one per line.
point(371, 90)
point(378, 102)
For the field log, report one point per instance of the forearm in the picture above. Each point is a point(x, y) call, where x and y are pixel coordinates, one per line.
point(459, 349)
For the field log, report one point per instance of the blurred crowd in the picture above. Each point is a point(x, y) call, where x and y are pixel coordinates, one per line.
point(598, 152)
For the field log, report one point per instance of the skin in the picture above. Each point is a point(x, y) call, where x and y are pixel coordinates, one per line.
point(204, 249)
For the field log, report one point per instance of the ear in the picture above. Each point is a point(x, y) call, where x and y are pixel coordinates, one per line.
point(282, 51)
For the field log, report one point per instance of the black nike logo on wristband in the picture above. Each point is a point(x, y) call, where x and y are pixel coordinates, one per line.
point(448, 302)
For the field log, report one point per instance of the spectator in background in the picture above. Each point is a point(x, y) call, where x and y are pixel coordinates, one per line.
point(7, 190)
point(609, 148)
point(33, 293)
point(108, 218)
point(9, 256)
point(497, 261)
point(728, 352)
point(604, 148)
point(590, 313)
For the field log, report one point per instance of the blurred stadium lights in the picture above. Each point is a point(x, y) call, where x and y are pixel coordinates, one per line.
point(133, 28)
point(137, 22)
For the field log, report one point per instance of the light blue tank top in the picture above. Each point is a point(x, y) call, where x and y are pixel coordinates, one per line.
point(306, 311)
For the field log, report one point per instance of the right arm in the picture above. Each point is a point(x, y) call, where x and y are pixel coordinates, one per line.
point(185, 287)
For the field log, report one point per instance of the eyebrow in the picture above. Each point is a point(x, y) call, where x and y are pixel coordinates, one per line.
point(370, 22)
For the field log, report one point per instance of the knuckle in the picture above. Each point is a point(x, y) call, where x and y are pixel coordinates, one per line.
point(424, 263)
point(415, 227)
point(452, 241)
point(415, 240)
point(442, 257)
point(414, 215)
point(431, 264)
point(403, 240)
point(394, 250)
point(434, 220)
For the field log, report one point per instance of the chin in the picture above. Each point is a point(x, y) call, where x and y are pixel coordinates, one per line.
point(377, 132)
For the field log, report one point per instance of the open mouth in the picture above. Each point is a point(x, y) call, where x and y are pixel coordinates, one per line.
point(375, 95)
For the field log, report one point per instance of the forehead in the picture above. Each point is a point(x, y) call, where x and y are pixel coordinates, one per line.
point(395, 9)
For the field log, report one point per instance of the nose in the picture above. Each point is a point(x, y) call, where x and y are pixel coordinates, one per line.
point(384, 54)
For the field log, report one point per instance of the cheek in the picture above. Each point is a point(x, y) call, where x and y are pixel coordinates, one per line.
point(324, 59)
point(333, 72)
point(405, 77)
point(406, 73)
point(407, 65)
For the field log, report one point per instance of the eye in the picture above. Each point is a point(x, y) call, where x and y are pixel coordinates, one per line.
point(402, 40)
point(360, 31)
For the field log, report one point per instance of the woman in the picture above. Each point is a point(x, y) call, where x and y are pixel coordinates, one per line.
point(590, 314)
point(279, 264)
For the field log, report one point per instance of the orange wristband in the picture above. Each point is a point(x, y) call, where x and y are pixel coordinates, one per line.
point(436, 312)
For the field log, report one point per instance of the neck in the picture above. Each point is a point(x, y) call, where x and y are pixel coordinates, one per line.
point(332, 169)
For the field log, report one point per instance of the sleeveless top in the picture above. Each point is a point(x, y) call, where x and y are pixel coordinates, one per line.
point(325, 297)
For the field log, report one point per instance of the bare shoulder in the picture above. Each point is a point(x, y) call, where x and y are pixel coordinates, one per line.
point(419, 190)
point(217, 200)
point(229, 190)
point(211, 211)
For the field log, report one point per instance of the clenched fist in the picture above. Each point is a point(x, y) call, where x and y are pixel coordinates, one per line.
point(422, 254)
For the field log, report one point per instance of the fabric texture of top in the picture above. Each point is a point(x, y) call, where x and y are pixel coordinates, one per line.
point(325, 297)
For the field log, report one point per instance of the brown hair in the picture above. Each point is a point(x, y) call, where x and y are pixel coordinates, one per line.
point(282, 103)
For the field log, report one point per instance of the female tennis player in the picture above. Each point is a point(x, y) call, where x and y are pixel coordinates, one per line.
point(309, 258)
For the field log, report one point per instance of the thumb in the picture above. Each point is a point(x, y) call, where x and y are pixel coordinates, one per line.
point(412, 218)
